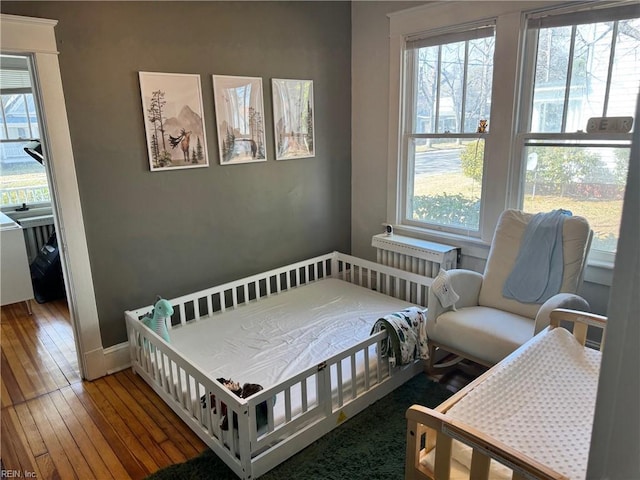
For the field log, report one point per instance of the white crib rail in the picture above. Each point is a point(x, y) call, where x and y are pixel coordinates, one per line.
point(391, 281)
point(181, 385)
point(233, 294)
point(248, 450)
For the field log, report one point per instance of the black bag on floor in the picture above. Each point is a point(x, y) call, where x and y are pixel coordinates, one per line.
point(46, 272)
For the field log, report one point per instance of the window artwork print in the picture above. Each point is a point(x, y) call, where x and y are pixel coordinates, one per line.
point(173, 113)
point(293, 118)
point(239, 106)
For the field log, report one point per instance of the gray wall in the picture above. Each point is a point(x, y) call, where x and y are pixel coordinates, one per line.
point(370, 120)
point(174, 232)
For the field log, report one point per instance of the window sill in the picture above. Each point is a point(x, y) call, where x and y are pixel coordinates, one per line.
point(473, 247)
point(34, 211)
point(600, 273)
point(597, 271)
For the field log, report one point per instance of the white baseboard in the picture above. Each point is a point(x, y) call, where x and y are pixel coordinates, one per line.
point(117, 357)
point(93, 364)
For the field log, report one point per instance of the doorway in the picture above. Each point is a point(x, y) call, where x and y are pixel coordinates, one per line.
point(24, 186)
point(25, 198)
point(35, 38)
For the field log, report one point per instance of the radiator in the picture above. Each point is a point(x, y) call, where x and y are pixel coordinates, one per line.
point(37, 231)
point(414, 255)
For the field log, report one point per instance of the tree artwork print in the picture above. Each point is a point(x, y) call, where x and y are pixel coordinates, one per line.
point(173, 112)
point(239, 107)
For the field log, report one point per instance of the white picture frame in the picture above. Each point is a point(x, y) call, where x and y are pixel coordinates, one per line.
point(293, 118)
point(174, 120)
point(239, 104)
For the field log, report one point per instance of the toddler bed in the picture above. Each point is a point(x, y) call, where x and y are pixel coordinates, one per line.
point(529, 416)
point(303, 332)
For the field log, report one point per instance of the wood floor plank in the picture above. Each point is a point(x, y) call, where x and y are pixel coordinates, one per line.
point(56, 333)
point(65, 437)
point(5, 397)
point(20, 443)
point(16, 364)
point(54, 447)
point(139, 430)
point(139, 413)
point(59, 325)
point(173, 452)
point(174, 428)
point(9, 383)
point(163, 408)
point(10, 458)
point(30, 363)
point(131, 440)
point(115, 436)
point(64, 428)
point(96, 436)
point(50, 375)
point(47, 468)
point(79, 435)
point(32, 433)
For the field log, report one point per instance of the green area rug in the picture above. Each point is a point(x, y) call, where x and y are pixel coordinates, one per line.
point(371, 445)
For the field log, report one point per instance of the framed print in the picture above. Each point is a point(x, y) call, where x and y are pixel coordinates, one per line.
point(293, 118)
point(173, 113)
point(240, 119)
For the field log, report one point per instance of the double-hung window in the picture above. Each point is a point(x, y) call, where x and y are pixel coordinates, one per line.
point(448, 83)
point(579, 66)
point(555, 108)
point(22, 179)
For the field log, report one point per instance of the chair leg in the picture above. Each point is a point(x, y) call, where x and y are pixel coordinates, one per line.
point(442, 367)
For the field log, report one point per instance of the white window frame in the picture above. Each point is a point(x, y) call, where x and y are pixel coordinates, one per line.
point(523, 136)
point(503, 191)
point(408, 135)
point(508, 21)
point(34, 208)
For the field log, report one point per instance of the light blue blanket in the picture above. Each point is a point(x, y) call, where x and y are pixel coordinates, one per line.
point(539, 266)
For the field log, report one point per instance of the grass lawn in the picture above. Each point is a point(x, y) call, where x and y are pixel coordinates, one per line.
point(604, 215)
point(12, 184)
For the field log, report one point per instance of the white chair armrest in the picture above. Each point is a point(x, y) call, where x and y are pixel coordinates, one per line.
point(466, 283)
point(560, 300)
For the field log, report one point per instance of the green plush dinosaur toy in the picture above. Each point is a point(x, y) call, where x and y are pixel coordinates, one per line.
point(157, 321)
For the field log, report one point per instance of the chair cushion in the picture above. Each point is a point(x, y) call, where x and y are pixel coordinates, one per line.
point(504, 251)
point(481, 332)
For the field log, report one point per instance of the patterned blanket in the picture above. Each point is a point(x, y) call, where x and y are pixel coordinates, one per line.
point(407, 337)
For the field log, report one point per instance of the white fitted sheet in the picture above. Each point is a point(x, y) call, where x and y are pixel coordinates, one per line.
point(541, 403)
point(277, 337)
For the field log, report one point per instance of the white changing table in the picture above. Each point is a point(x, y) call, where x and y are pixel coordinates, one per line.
point(15, 276)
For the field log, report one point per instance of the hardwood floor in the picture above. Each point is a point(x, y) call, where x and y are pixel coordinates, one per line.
point(459, 377)
point(54, 425)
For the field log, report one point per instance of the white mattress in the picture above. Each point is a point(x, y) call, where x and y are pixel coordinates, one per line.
point(541, 403)
point(275, 338)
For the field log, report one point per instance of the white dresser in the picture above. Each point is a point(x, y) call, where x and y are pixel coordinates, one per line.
point(15, 277)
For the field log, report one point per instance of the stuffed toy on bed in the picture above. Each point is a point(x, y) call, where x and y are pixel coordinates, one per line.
point(158, 319)
point(245, 391)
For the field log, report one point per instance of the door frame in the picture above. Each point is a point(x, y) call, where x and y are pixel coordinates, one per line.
point(36, 37)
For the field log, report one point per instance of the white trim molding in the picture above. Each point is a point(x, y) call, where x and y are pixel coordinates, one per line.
point(435, 17)
point(117, 357)
point(36, 37)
